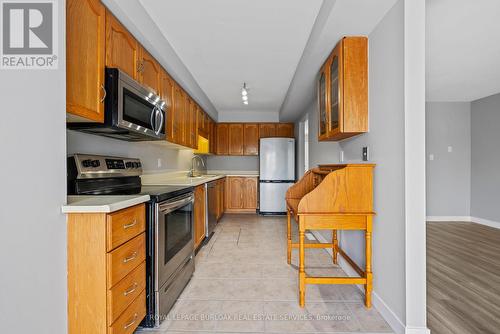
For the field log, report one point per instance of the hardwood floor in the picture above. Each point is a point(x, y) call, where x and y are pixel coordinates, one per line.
point(463, 278)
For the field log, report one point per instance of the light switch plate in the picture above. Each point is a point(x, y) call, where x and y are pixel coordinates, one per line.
point(365, 153)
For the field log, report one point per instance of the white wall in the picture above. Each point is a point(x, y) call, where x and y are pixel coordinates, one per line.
point(33, 168)
point(485, 141)
point(448, 184)
point(171, 159)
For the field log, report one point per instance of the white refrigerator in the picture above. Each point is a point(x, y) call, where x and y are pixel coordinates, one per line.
point(276, 173)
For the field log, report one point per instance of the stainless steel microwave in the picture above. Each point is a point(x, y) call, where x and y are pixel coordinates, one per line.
point(132, 112)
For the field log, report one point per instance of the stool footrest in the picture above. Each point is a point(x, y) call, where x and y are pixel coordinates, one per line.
point(335, 280)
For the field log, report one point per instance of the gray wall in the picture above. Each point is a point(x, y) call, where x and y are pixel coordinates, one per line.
point(33, 237)
point(485, 148)
point(386, 141)
point(171, 158)
point(448, 124)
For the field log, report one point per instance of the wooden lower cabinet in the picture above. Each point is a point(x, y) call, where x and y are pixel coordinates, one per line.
point(199, 214)
point(241, 194)
point(106, 271)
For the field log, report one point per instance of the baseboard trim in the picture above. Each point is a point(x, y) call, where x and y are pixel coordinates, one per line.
point(470, 219)
point(418, 330)
point(378, 302)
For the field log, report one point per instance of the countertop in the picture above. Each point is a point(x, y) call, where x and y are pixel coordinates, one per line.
point(182, 179)
point(102, 204)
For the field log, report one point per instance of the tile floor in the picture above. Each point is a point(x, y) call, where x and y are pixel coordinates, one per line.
point(242, 284)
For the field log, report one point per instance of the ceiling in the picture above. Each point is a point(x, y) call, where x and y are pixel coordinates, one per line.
point(276, 46)
point(463, 49)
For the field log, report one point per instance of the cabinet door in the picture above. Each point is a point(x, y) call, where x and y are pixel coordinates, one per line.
point(235, 186)
point(334, 93)
point(251, 139)
point(267, 130)
point(85, 58)
point(122, 49)
point(322, 100)
point(199, 215)
point(150, 71)
point(250, 193)
point(236, 139)
point(212, 137)
point(179, 107)
point(167, 93)
point(222, 139)
point(191, 141)
point(284, 130)
point(201, 122)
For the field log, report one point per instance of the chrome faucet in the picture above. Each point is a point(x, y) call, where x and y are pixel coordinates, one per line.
point(191, 171)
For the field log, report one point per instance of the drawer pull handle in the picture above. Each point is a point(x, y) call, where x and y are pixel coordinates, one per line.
point(132, 224)
point(130, 258)
point(131, 323)
point(130, 290)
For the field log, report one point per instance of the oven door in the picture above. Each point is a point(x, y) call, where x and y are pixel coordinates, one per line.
point(174, 242)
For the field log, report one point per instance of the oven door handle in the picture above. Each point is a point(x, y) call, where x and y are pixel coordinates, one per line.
point(170, 206)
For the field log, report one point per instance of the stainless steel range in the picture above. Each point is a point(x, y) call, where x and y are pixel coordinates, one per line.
point(169, 215)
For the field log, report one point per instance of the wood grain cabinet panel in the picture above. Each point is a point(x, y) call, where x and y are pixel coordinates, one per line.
point(167, 94)
point(125, 224)
point(199, 215)
point(179, 115)
point(250, 193)
point(241, 194)
point(150, 71)
point(251, 139)
point(212, 142)
point(343, 90)
point(235, 131)
point(125, 258)
point(85, 58)
point(222, 139)
point(267, 130)
point(122, 49)
point(128, 321)
point(284, 130)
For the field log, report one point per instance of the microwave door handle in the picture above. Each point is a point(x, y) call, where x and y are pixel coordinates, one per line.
point(158, 111)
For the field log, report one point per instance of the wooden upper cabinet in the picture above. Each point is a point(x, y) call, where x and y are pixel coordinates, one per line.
point(212, 138)
point(267, 130)
point(85, 58)
point(222, 139)
point(167, 94)
point(122, 49)
point(149, 71)
point(284, 130)
point(235, 139)
point(190, 127)
point(250, 193)
point(250, 139)
point(179, 114)
point(344, 98)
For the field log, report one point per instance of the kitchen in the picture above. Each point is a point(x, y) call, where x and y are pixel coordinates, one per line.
point(159, 169)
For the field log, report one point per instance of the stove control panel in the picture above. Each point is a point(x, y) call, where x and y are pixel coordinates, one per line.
point(96, 166)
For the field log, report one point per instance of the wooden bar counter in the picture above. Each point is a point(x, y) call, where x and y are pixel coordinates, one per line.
point(332, 197)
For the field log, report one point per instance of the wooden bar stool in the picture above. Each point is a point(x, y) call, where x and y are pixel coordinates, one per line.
point(332, 197)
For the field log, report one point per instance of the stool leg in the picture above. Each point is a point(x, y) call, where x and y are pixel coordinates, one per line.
point(302, 274)
point(289, 237)
point(369, 275)
point(335, 246)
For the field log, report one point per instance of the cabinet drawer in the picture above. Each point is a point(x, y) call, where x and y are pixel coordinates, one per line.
point(125, 291)
point(125, 258)
point(131, 317)
point(125, 224)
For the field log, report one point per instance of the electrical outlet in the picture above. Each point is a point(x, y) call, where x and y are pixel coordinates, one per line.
point(365, 153)
point(450, 149)
point(159, 162)
point(431, 157)
point(341, 156)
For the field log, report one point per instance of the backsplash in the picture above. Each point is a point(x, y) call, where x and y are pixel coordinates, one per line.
point(239, 163)
point(155, 156)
